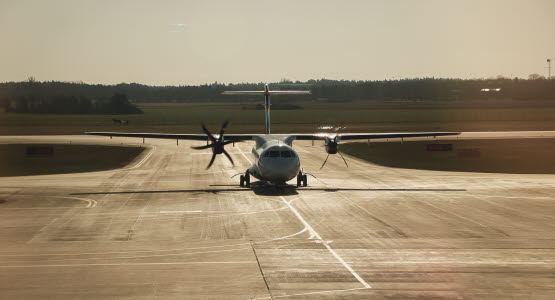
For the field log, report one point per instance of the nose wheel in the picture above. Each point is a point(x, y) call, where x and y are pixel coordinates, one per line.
point(245, 180)
point(302, 180)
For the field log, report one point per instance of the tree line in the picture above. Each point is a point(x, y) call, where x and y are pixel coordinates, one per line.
point(64, 104)
point(415, 89)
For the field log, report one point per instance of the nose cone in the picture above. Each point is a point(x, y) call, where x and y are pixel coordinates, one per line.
point(279, 164)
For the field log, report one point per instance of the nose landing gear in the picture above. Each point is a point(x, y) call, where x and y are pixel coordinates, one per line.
point(302, 180)
point(245, 180)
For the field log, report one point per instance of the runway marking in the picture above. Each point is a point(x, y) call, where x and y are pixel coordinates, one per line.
point(449, 212)
point(50, 223)
point(494, 262)
point(394, 228)
point(314, 293)
point(283, 237)
point(121, 182)
point(45, 208)
point(439, 208)
point(91, 203)
point(131, 264)
point(152, 255)
point(180, 211)
point(142, 160)
point(315, 234)
point(168, 250)
point(242, 153)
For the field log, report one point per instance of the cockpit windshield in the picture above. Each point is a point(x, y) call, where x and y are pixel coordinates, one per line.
point(275, 154)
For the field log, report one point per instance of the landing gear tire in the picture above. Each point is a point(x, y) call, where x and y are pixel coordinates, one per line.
point(242, 181)
point(301, 180)
point(247, 178)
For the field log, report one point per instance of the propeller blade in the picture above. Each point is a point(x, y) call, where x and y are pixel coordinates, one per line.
point(210, 136)
point(224, 125)
point(325, 161)
point(229, 156)
point(343, 158)
point(202, 147)
point(211, 161)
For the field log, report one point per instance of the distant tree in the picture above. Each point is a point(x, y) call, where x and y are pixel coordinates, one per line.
point(119, 104)
point(535, 76)
point(5, 103)
point(285, 80)
point(52, 96)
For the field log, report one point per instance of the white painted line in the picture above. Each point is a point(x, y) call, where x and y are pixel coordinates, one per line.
point(444, 210)
point(153, 255)
point(242, 153)
point(316, 235)
point(51, 222)
point(180, 211)
point(313, 293)
point(45, 208)
point(142, 160)
point(91, 203)
point(155, 251)
point(283, 237)
point(130, 264)
point(486, 262)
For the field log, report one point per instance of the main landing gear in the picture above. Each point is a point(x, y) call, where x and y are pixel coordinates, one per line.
point(245, 180)
point(302, 180)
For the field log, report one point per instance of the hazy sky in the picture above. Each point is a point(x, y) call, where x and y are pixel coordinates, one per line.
point(190, 42)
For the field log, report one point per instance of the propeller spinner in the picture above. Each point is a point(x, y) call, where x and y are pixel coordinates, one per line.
point(217, 144)
point(332, 147)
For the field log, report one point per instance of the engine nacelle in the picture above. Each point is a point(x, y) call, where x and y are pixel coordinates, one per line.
point(332, 147)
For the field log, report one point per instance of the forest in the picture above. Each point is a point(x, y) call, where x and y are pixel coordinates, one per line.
point(80, 97)
point(65, 104)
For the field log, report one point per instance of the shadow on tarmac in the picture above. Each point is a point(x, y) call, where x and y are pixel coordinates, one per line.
point(269, 190)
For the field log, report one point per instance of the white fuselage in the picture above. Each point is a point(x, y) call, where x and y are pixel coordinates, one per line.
point(275, 159)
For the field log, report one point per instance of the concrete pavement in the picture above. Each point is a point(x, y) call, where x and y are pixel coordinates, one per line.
point(166, 228)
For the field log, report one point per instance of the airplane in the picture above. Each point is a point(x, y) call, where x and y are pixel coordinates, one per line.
point(276, 162)
point(120, 122)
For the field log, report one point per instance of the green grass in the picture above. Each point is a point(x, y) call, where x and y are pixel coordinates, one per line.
point(521, 156)
point(186, 117)
point(66, 159)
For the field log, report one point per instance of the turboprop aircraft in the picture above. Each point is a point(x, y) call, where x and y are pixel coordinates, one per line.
point(275, 161)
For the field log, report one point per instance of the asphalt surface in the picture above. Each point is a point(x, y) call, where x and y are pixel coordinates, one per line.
point(166, 228)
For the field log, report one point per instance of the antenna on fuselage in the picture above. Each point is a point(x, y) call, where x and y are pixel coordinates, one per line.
point(266, 92)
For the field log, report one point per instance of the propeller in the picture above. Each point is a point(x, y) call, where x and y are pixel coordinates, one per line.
point(332, 147)
point(217, 144)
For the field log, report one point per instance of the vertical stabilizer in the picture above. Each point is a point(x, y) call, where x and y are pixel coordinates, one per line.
point(267, 105)
point(266, 92)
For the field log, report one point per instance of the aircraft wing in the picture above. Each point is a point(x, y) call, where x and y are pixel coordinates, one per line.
point(372, 136)
point(176, 136)
point(243, 93)
point(264, 92)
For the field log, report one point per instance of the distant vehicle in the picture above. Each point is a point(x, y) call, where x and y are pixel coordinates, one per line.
point(275, 160)
point(120, 122)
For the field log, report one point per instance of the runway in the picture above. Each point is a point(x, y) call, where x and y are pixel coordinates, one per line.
point(166, 228)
